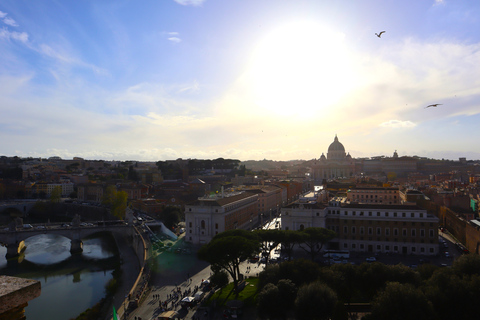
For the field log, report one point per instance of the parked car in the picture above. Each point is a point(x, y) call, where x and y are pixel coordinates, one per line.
point(371, 259)
point(27, 226)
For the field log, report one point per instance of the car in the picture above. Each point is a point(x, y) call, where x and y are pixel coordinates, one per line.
point(40, 227)
point(65, 225)
point(371, 259)
point(27, 226)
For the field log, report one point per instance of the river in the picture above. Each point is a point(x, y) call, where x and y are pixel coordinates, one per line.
point(70, 283)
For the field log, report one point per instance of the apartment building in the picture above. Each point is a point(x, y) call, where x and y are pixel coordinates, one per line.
point(382, 228)
point(368, 227)
point(378, 195)
point(210, 215)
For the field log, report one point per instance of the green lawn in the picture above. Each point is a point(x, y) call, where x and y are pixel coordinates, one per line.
point(247, 295)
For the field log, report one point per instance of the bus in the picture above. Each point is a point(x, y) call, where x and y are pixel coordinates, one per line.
point(336, 254)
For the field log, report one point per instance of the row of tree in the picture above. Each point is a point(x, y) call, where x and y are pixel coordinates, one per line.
point(303, 289)
point(228, 249)
point(394, 292)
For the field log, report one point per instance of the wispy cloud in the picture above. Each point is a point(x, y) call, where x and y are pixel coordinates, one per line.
point(398, 124)
point(2, 14)
point(195, 3)
point(10, 22)
point(19, 36)
point(175, 39)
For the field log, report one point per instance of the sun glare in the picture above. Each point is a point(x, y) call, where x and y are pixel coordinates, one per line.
point(300, 67)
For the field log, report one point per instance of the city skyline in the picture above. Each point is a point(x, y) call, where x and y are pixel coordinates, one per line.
point(246, 80)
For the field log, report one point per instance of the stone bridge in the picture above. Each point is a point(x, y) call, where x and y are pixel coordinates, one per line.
point(14, 239)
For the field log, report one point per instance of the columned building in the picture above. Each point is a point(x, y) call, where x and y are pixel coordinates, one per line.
point(336, 164)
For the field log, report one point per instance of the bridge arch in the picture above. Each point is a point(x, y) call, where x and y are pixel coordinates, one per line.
point(14, 240)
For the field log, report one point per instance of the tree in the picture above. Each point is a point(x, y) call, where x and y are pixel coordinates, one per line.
point(315, 301)
point(56, 194)
point(289, 239)
point(270, 239)
point(268, 302)
point(170, 216)
point(219, 279)
point(401, 302)
point(116, 200)
point(314, 239)
point(228, 249)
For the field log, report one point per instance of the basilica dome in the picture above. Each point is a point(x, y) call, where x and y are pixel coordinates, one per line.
point(336, 145)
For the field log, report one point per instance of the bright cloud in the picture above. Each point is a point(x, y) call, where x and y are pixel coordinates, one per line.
point(175, 39)
point(194, 3)
point(398, 124)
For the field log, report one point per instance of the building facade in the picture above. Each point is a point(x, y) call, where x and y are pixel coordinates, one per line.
point(375, 195)
point(210, 215)
point(369, 227)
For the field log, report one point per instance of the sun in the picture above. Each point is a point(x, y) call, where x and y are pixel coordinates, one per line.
point(300, 67)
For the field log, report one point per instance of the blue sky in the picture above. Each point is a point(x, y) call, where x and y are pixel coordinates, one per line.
point(250, 79)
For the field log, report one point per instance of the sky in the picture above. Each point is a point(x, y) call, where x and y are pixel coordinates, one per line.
point(250, 80)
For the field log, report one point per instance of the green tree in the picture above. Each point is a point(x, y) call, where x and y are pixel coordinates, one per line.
point(170, 216)
point(401, 302)
point(315, 301)
point(314, 239)
point(116, 200)
point(219, 279)
point(228, 249)
point(56, 194)
point(289, 239)
point(268, 302)
point(270, 239)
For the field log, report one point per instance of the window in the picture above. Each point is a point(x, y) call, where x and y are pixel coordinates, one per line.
point(404, 232)
point(362, 231)
point(362, 246)
point(395, 248)
point(421, 215)
point(202, 224)
point(354, 245)
point(386, 214)
point(412, 215)
point(395, 232)
point(378, 214)
point(216, 225)
point(403, 214)
point(370, 214)
point(345, 230)
point(302, 227)
point(345, 246)
point(422, 232)
point(353, 230)
point(370, 230)
point(414, 233)
point(394, 214)
point(379, 247)
point(431, 233)
point(190, 224)
point(387, 231)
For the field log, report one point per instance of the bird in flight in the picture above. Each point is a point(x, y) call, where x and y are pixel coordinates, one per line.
point(433, 105)
point(379, 34)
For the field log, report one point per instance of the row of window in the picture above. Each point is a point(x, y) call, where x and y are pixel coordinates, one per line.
point(396, 231)
point(379, 214)
point(387, 248)
point(371, 196)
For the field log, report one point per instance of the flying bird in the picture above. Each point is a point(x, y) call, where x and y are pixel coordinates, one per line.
point(433, 105)
point(379, 34)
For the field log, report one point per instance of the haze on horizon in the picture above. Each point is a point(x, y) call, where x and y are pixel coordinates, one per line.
point(247, 80)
